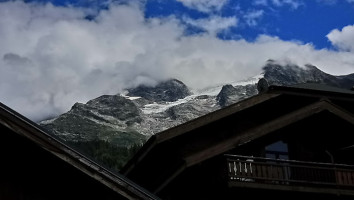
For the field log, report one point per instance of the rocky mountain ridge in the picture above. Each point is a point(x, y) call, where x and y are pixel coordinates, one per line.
point(277, 74)
point(125, 120)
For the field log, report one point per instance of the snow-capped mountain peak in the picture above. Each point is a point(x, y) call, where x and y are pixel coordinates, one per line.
point(128, 118)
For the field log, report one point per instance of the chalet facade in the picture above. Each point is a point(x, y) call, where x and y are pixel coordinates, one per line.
point(35, 165)
point(284, 141)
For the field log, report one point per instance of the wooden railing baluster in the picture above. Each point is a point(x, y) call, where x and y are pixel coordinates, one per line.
point(287, 172)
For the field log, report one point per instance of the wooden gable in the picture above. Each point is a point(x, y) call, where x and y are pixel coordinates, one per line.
point(257, 120)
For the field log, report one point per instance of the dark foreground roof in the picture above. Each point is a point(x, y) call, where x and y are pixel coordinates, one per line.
point(26, 128)
point(167, 154)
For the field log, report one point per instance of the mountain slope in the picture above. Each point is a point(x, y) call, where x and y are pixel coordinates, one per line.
point(127, 120)
point(277, 74)
point(107, 118)
point(170, 90)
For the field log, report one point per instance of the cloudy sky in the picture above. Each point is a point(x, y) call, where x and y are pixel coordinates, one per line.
point(54, 53)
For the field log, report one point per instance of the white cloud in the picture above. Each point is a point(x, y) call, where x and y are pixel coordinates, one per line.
point(51, 57)
point(214, 24)
point(343, 39)
point(205, 6)
point(260, 2)
point(252, 17)
point(277, 2)
point(294, 4)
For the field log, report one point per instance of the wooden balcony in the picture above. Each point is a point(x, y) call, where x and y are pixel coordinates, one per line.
point(264, 173)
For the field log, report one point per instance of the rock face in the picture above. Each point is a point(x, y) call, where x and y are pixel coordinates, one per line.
point(116, 107)
point(125, 121)
point(170, 90)
point(107, 118)
point(230, 94)
point(277, 74)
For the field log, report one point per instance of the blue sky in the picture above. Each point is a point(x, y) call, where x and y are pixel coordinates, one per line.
point(55, 53)
point(307, 21)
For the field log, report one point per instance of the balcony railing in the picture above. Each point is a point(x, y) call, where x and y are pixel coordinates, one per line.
point(288, 172)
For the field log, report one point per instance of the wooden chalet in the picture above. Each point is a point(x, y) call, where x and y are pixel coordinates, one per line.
point(292, 141)
point(35, 165)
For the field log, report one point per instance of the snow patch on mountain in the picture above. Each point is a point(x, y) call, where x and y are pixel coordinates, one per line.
point(161, 107)
point(130, 98)
point(134, 115)
point(215, 90)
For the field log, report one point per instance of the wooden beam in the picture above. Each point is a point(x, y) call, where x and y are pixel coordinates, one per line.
point(340, 94)
point(347, 116)
point(261, 130)
point(143, 151)
point(170, 178)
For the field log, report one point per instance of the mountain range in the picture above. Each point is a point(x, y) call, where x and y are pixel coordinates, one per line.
point(128, 119)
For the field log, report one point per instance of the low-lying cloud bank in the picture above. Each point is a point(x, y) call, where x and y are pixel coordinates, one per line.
point(52, 57)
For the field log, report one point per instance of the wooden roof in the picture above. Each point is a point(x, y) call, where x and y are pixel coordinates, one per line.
point(169, 153)
point(28, 129)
